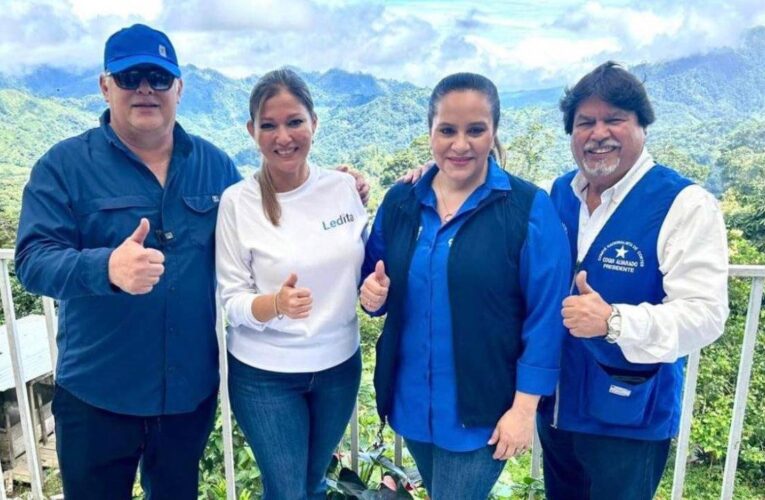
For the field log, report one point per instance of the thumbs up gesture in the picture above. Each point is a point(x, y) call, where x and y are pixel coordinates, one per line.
point(585, 315)
point(293, 301)
point(374, 290)
point(133, 268)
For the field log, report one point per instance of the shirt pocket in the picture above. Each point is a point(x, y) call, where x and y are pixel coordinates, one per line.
point(202, 212)
point(106, 222)
point(620, 399)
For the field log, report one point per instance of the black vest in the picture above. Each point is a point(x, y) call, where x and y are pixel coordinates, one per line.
point(485, 295)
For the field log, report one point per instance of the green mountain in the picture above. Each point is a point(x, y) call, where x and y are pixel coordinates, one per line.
point(698, 99)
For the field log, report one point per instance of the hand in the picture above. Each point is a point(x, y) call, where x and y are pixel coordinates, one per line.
point(414, 175)
point(585, 315)
point(133, 268)
point(362, 186)
point(293, 302)
point(374, 290)
point(515, 429)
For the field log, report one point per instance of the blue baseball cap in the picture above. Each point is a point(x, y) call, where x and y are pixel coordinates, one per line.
point(140, 44)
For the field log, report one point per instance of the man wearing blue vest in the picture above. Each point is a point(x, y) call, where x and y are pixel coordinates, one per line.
point(650, 286)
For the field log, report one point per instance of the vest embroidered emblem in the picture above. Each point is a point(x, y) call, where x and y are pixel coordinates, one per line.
point(621, 256)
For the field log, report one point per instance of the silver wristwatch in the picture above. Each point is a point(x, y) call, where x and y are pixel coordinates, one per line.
point(613, 325)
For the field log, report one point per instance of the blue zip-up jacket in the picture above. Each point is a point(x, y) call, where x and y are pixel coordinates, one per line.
point(146, 354)
point(600, 391)
point(491, 323)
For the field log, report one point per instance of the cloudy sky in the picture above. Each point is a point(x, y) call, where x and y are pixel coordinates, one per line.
point(520, 44)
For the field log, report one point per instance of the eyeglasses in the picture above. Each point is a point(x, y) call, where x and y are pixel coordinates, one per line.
point(159, 79)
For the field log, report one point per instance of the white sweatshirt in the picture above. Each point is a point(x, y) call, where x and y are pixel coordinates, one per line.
point(320, 238)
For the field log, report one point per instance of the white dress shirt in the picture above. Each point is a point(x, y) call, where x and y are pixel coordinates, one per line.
point(692, 250)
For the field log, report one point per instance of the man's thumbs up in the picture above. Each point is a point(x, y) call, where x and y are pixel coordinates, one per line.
point(140, 233)
point(582, 285)
point(132, 267)
point(585, 315)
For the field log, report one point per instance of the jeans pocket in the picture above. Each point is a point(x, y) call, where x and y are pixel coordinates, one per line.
point(619, 399)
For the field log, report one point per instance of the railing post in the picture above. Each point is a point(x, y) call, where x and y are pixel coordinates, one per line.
point(742, 387)
point(51, 327)
point(225, 404)
point(25, 413)
point(536, 455)
point(355, 438)
point(683, 438)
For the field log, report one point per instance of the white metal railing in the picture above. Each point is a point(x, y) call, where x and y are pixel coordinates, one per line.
point(755, 273)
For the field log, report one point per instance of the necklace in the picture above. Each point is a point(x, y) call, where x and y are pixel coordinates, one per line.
point(449, 212)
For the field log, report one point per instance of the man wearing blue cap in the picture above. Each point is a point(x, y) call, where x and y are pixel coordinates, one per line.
point(118, 225)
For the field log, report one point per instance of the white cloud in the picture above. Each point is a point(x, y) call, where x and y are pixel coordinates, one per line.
point(519, 44)
point(87, 10)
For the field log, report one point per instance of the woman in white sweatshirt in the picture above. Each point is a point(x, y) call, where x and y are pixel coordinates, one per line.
point(289, 249)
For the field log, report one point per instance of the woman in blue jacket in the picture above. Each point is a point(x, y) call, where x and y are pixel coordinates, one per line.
point(471, 265)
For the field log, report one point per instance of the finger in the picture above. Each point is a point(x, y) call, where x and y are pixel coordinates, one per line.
point(302, 292)
point(500, 451)
point(155, 256)
point(581, 283)
point(305, 309)
point(140, 233)
point(155, 270)
point(343, 168)
point(380, 275)
point(301, 302)
point(373, 288)
point(300, 314)
point(141, 290)
point(291, 281)
point(494, 437)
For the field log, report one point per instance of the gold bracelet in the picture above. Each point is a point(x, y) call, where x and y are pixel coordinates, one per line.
point(276, 307)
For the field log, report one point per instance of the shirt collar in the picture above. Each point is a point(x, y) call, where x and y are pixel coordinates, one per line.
point(619, 190)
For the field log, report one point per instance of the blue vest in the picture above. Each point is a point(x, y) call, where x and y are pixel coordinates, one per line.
point(486, 299)
point(600, 392)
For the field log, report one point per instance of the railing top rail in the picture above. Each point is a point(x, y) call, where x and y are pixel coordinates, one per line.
point(747, 271)
point(743, 271)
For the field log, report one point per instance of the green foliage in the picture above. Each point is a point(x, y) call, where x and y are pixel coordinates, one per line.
point(526, 152)
point(404, 160)
point(682, 161)
point(212, 479)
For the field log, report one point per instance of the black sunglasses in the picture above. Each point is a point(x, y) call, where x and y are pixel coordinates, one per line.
point(131, 79)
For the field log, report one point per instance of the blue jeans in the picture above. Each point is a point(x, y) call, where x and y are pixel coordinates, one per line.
point(456, 475)
point(99, 451)
point(293, 422)
point(580, 466)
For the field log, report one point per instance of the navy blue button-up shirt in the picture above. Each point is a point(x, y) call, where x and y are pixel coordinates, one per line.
point(146, 354)
point(425, 397)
